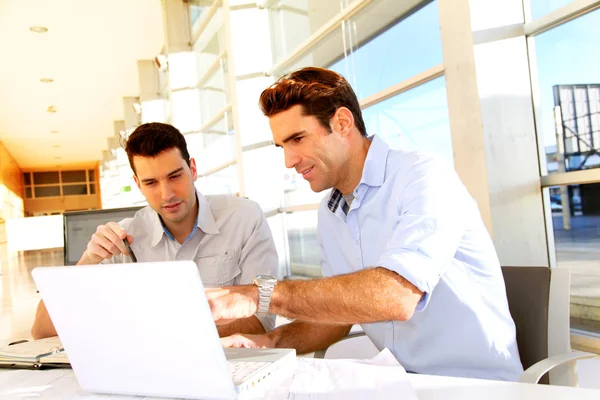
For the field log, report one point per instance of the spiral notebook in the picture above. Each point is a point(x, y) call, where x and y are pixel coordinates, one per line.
point(37, 354)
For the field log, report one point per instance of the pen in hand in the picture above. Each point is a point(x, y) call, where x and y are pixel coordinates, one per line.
point(131, 254)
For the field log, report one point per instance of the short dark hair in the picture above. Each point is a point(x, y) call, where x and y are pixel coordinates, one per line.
point(149, 140)
point(319, 91)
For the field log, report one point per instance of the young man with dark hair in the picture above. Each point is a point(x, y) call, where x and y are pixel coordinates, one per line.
point(405, 252)
point(226, 236)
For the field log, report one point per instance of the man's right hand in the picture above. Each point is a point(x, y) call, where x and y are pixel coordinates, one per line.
point(106, 243)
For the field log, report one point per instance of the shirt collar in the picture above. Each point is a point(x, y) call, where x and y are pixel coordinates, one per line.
point(205, 221)
point(373, 171)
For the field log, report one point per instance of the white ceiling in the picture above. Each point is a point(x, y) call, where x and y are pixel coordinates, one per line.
point(90, 50)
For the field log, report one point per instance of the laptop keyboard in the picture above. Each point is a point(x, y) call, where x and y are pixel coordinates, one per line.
point(241, 370)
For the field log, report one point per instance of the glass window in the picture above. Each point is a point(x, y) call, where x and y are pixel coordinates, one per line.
point(409, 47)
point(92, 175)
point(73, 190)
point(414, 120)
point(73, 176)
point(305, 252)
point(224, 181)
point(263, 170)
point(576, 224)
point(195, 12)
point(92, 188)
point(44, 178)
point(569, 77)
point(27, 192)
point(27, 178)
point(539, 8)
point(293, 21)
point(47, 191)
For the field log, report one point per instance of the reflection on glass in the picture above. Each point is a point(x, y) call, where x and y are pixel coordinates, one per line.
point(540, 8)
point(414, 120)
point(568, 77)
point(305, 252)
point(576, 223)
point(409, 47)
point(293, 21)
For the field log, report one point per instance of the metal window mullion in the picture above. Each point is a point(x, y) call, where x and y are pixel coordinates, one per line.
point(404, 86)
point(320, 35)
point(561, 16)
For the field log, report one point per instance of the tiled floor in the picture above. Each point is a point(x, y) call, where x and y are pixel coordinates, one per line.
point(18, 292)
point(20, 298)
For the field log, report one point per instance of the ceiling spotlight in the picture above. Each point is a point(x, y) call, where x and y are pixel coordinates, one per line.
point(38, 29)
point(46, 80)
point(57, 158)
point(51, 109)
point(54, 131)
point(56, 146)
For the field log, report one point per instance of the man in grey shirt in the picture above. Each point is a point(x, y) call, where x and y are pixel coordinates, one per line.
point(226, 236)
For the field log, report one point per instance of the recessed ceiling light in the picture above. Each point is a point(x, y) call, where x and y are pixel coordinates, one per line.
point(54, 131)
point(51, 109)
point(57, 158)
point(46, 80)
point(56, 146)
point(38, 29)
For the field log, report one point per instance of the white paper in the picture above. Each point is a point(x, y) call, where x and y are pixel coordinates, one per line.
point(380, 378)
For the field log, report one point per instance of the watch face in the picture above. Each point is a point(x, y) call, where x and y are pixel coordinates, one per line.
point(265, 280)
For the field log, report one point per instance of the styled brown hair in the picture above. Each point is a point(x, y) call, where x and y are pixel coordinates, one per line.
point(319, 91)
point(149, 140)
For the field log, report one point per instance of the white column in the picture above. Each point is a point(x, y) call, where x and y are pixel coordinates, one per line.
point(492, 122)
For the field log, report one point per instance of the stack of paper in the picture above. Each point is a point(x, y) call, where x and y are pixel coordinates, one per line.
point(380, 378)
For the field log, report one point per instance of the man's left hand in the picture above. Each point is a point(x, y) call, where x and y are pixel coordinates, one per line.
point(234, 302)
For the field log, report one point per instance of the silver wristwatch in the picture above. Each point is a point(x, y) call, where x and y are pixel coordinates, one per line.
point(265, 284)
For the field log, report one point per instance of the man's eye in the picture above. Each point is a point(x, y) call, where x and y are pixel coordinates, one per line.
point(175, 176)
point(149, 183)
point(298, 139)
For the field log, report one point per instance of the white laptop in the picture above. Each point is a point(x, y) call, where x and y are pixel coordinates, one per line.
point(146, 329)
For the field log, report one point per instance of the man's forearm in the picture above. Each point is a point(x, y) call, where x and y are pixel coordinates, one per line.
point(42, 326)
point(371, 295)
point(307, 337)
point(250, 325)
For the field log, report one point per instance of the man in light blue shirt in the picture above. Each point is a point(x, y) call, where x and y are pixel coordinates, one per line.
point(405, 251)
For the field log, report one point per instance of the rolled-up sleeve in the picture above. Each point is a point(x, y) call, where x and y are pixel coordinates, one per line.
point(429, 226)
point(258, 256)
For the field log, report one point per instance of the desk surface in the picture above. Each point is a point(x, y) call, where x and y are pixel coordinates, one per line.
point(61, 384)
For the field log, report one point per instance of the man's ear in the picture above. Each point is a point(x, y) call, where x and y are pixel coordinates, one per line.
point(193, 169)
point(342, 121)
point(137, 181)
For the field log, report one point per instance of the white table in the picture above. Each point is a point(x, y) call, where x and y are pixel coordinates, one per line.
point(61, 384)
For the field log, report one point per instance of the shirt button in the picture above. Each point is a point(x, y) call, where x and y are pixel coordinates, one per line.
point(429, 225)
point(356, 242)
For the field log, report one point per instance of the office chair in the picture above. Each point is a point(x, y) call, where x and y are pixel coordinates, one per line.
point(539, 300)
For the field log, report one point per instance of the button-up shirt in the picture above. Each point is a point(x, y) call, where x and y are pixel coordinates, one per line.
point(231, 242)
point(411, 214)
